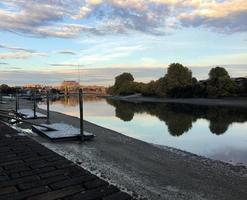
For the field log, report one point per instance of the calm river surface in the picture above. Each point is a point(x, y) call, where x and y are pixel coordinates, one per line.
point(215, 132)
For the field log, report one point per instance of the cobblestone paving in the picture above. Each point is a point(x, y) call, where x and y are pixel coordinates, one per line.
point(30, 171)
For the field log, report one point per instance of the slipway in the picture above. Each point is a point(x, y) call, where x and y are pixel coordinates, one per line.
point(61, 132)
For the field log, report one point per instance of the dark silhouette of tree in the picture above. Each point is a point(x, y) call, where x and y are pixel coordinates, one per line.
point(218, 127)
point(220, 84)
point(179, 118)
point(179, 83)
point(124, 85)
point(177, 76)
point(5, 89)
point(125, 115)
point(123, 111)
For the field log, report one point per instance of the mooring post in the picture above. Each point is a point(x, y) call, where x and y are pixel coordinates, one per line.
point(48, 107)
point(34, 105)
point(81, 113)
point(16, 103)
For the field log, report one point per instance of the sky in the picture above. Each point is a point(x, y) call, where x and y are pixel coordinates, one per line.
point(48, 41)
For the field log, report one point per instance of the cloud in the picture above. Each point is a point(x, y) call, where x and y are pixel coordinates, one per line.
point(222, 16)
point(48, 18)
point(66, 19)
point(18, 52)
point(108, 52)
point(3, 63)
point(66, 65)
point(118, 16)
point(63, 31)
point(19, 55)
point(67, 52)
point(16, 48)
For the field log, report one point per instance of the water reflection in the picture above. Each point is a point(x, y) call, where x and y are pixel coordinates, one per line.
point(73, 100)
point(179, 118)
point(166, 124)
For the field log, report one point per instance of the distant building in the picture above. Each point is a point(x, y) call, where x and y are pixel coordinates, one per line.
point(73, 86)
point(94, 89)
point(31, 85)
point(241, 81)
point(69, 86)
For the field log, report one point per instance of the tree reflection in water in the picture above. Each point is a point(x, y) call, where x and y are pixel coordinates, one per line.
point(179, 118)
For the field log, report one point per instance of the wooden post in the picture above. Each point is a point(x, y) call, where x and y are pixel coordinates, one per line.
point(34, 105)
point(81, 114)
point(48, 107)
point(16, 103)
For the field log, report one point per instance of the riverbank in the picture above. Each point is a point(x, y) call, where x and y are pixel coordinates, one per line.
point(239, 102)
point(148, 170)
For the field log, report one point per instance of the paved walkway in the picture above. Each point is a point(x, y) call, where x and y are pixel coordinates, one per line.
point(30, 171)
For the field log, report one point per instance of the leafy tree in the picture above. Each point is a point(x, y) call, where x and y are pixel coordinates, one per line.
point(123, 78)
point(245, 87)
point(126, 89)
point(149, 89)
point(220, 84)
point(218, 72)
point(110, 90)
point(199, 90)
point(139, 87)
point(160, 87)
point(178, 76)
point(179, 83)
point(123, 85)
point(5, 89)
point(194, 81)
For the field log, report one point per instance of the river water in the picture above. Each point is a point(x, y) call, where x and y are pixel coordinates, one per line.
point(215, 132)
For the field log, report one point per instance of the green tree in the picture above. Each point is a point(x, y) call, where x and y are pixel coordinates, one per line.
point(124, 84)
point(124, 78)
point(194, 81)
point(160, 87)
point(177, 76)
point(149, 89)
point(218, 72)
point(4, 88)
point(220, 83)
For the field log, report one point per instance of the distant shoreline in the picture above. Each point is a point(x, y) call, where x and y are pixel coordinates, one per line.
point(138, 98)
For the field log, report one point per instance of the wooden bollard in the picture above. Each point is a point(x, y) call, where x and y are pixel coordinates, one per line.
point(81, 114)
point(16, 103)
point(48, 107)
point(34, 105)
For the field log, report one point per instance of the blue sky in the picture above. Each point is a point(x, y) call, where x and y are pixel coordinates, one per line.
point(44, 41)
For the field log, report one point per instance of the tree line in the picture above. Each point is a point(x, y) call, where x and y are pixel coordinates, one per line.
point(5, 89)
point(179, 82)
